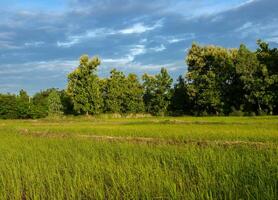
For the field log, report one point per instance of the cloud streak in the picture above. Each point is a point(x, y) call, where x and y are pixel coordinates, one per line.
point(137, 28)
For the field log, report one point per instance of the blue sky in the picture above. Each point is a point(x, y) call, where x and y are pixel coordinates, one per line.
point(41, 41)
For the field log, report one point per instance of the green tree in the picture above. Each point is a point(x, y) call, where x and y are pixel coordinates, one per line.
point(66, 102)
point(84, 87)
point(8, 106)
point(55, 106)
point(223, 80)
point(39, 104)
point(133, 95)
point(180, 103)
point(122, 94)
point(23, 105)
point(157, 95)
point(114, 92)
point(256, 81)
point(269, 58)
point(205, 65)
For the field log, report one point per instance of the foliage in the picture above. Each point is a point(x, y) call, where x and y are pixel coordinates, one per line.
point(180, 103)
point(157, 94)
point(235, 112)
point(269, 58)
point(23, 105)
point(15, 107)
point(122, 94)
point(255, 80)
point(133, 102)
point(114, 92)
point(55, 106)
point(40, 103)
point(84, 87)
point(67, 103)
point(210, 75)
point(8, 107)
point(219, 81)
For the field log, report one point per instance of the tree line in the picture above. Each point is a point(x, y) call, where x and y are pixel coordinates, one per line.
point(219, 81)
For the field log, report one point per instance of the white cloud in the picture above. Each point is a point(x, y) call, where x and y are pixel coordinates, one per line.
point(137, 50)
point(8, 45)
point(127, 63)
point(140, 28)
point(76, 39)
point(137, 28)
point(118, 61)
point(5, 88)
point(246, 2)
point(140, 68)
point(158, 48)
point(180, 38)
point(143, 40)
point(57, 65)
point(175, 40)
point(6, 35)
point(272, 39)
point(245, 26)
point(62, 66)
point(194, 9)
point(67, 44)
point(129, 57)
point(258, 30)
point(4, 44)
point(34, 44)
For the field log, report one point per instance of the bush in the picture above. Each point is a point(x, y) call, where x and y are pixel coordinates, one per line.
point(204, 114)
point(237, 113)
point(262, 112)
point(8, 106)
point(250, 114)
point(55, 106)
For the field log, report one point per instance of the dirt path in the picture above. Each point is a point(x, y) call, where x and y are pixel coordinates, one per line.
point(146, 140)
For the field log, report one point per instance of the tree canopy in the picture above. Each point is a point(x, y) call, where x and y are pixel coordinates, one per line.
point(84, 88)
point(218, 81)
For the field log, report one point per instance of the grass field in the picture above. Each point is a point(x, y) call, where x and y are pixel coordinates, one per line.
point(143, 158)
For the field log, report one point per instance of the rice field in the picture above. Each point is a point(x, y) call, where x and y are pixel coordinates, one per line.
point(139, 158)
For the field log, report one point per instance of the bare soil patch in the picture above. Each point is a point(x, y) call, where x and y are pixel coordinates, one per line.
point(145, 140)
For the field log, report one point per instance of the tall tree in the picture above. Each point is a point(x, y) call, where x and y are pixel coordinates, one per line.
point(256, 81)
point(133, 101)
point(23, 105)
point(66, 102)
point(180, 103)
point(84, 86)
point(157, 95)
point(114, 95)
point(39, 103)
point(269, 58)
point(8, 106)
point(203, 78)
point(55, 106)
point(122, 94)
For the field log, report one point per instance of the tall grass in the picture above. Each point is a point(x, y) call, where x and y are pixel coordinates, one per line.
point(43, 167)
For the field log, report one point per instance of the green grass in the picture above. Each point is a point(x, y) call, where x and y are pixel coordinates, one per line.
point(143, 158)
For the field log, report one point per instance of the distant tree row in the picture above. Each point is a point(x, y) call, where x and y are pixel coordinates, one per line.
point(231, 81)
point(42, 104)
point(219, 81)
point(118, 93)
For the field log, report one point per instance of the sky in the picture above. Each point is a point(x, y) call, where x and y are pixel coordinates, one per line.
point(41, 41)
